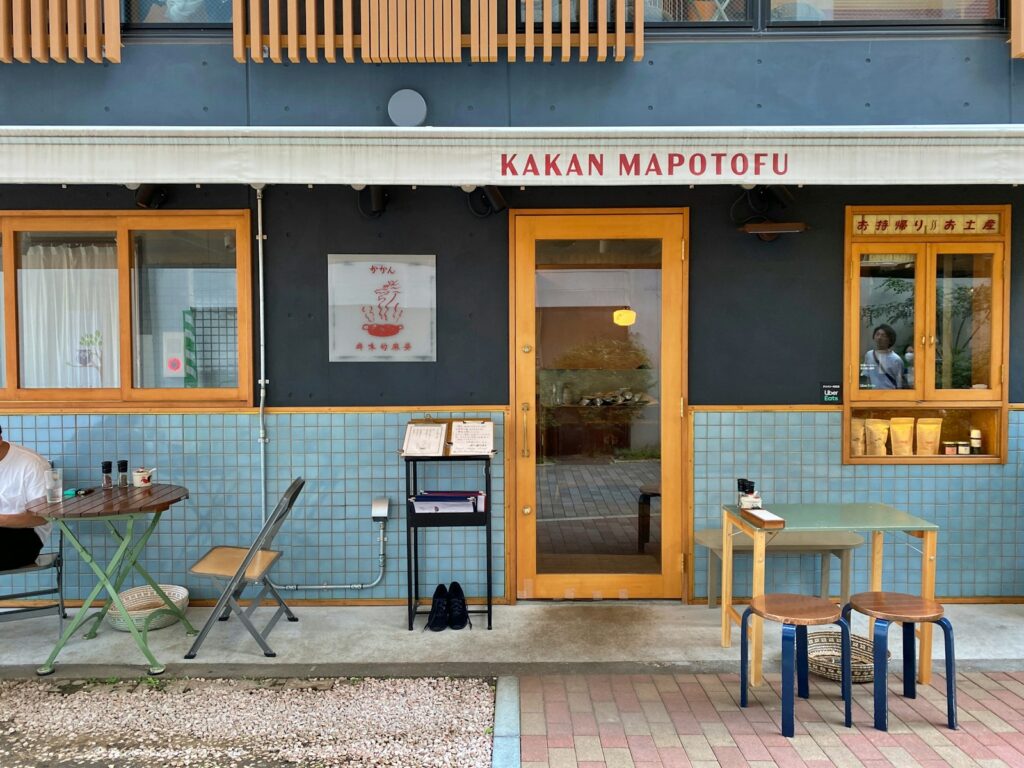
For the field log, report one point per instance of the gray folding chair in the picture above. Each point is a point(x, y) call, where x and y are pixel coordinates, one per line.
point(235, 568)
point(47, 561)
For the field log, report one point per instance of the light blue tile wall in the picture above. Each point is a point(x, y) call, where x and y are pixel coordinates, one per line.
point(796, 458)
point(346, 459)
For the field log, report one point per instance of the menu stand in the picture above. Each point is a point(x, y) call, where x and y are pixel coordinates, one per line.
point(416, 520)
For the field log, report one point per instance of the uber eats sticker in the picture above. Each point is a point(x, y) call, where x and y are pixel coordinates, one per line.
point(831, 393)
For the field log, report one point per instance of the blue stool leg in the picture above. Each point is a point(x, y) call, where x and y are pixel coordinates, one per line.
point(803, 688)
point(847, 676)
point(909, 661)
point(845, 613)
point(881, 674)
point(743, 657)
point(788, 673)
point(947, 630)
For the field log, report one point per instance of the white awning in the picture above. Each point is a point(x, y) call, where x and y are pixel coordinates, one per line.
point(870, 155)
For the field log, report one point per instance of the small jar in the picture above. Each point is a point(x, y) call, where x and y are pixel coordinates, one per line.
point(106, 479)
point(975, 446)
point(949, 448)
point(963, 448)
point(122, 473)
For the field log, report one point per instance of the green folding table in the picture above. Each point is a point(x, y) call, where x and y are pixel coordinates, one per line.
point(120, 509)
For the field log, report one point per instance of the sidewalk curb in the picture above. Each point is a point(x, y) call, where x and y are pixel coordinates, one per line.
point(505, 753)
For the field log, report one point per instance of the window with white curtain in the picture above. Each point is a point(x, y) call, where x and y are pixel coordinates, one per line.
point(67, 310)
point(112, 308)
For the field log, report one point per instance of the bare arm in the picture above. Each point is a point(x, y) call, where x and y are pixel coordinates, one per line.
point(21, 520)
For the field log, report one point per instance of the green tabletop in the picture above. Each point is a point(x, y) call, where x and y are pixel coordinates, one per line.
point(845, 517)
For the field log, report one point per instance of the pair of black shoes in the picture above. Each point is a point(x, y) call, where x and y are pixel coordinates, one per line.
point(448, 609)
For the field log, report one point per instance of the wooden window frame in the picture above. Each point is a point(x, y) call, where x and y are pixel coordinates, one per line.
point(125, 397)
point(925, 396)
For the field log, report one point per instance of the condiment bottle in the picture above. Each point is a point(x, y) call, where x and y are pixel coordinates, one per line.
point(122, 473)
point(106, 480)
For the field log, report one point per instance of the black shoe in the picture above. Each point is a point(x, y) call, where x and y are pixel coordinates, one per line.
point(438, 618)
point(458, 615)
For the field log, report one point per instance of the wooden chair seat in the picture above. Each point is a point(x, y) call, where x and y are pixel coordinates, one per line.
point(798, 610)
point(223, 562)
point(896, 606)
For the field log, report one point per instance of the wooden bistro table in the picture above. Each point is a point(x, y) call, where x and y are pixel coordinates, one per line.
point(818, 518)
point(118, 508)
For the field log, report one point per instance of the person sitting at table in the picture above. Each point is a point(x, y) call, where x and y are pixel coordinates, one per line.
point(22, 479)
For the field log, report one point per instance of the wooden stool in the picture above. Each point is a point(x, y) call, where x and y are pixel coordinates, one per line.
point(887, 607)
point(796, 613)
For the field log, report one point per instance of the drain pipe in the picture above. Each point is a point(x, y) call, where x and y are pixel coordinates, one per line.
point(264, 437)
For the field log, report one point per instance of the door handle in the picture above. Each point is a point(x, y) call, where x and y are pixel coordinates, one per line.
point(525, 452)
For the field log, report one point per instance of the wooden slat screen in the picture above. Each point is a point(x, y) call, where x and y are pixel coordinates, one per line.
point(60, 31)
point(395, 31)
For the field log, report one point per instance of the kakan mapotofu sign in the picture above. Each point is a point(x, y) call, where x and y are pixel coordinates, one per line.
point(382, 308)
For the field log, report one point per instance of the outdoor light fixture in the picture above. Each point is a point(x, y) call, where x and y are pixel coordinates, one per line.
point(372, 200)
point(769, 230)
point(150, 196)
point(483, 201)
point(625, 316)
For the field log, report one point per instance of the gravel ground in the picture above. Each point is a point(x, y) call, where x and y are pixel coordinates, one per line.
point(241, 723)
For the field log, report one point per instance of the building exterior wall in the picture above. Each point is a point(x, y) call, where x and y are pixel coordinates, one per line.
point(792, 332)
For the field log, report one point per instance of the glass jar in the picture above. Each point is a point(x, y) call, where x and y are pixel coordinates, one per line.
point(122, 473)
point(106, 479)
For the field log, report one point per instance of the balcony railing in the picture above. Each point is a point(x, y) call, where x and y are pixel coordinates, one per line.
point(435, 31)
point(60, 30)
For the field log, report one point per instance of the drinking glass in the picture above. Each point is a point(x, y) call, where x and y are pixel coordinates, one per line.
point(54, 485)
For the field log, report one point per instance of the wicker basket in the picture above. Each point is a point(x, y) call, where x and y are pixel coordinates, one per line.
point(142, 601)
point(824, 652)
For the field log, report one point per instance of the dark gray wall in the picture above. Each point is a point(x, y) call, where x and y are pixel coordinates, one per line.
point(773, 308)
point(770, 79)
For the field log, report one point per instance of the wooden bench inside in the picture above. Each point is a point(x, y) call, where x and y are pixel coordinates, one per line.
point(840, 544)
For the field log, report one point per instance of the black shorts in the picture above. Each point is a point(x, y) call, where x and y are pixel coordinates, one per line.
point(18, 547)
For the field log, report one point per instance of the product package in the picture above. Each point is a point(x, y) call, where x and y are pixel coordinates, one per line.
point(856, 437)
point(877, 432)
point(928, 432)
point(901, 433)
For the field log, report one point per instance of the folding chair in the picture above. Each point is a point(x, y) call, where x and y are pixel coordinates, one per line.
point(235, 568)
point(45, 562)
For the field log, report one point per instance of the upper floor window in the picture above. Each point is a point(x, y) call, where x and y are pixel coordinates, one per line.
point(177, 12)
point(125, 307)
point(837, 12)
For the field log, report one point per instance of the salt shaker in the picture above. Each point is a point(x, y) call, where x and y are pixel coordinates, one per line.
point(107, 480)
point(122, 473)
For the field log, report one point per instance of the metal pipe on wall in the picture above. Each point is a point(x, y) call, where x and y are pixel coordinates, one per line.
point(264, 438)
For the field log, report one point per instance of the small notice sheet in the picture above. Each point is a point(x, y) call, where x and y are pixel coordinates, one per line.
point(424, 439)
point(472, 438)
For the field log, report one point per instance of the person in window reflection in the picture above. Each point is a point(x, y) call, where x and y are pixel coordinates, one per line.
point(883, 367)
point(22, 479)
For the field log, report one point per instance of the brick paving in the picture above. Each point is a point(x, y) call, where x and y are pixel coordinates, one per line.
point(674, 720)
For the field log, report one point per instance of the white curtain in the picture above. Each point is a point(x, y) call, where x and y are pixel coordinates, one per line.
point(67, 313)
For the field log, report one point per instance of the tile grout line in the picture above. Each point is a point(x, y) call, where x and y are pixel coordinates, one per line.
point(505, 752)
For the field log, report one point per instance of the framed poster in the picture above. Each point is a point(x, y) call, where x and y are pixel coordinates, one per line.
point(382, 308)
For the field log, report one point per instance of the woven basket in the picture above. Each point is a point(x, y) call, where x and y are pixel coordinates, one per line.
point(824, 650)
point(142, 601)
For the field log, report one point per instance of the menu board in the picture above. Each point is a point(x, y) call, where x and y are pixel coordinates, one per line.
point(424, 439)
point(472, 438)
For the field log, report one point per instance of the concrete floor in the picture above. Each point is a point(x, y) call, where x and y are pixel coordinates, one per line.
point(534, 638)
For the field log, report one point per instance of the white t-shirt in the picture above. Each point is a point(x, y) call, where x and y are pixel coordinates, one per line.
point(21, 481)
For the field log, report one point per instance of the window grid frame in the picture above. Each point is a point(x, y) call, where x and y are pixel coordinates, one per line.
point(126, 396)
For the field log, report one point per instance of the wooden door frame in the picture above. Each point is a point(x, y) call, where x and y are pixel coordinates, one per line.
point(677, 533)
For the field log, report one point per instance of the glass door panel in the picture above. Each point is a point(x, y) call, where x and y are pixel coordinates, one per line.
point(598, 436)
point(967, 321)
point(886, 285)
point(600, 329)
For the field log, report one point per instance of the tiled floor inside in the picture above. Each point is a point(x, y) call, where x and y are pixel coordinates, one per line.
point(695, 720)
